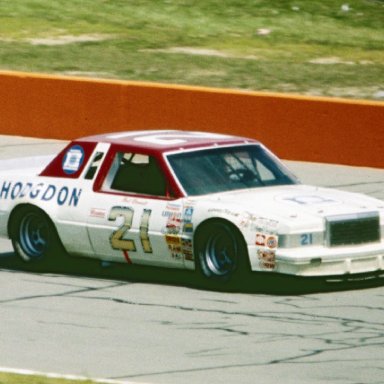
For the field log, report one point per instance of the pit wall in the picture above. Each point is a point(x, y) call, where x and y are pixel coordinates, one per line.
point(294, 127)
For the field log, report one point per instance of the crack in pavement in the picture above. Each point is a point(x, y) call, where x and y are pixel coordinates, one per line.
point(317, 338)
point(291, 318)
point(62, 294)
point(349, 326)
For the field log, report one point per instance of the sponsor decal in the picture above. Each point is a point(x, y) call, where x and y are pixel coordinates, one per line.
point(173, 224)
point(187, 220)
point(267, 244)
point(179, 247)
point(223, 212)
point(188, 212)
point(62, 195)
point(260, 239)
point(173, 207)
point(73, 159)
point(134, 200)
point(246, 219)
point(265, 225)
point(266, 240)
point(188, 228)
point(272, 242)
point(178, 222)
point(267, 259)
point(175, 246)
point(187, 249)
point(98, 213)
point(171, 214)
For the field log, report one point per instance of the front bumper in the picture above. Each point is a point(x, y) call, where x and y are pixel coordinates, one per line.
point(323, 261)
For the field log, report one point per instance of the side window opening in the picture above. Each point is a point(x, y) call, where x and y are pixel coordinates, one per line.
point(137, 173)
point(95, 163)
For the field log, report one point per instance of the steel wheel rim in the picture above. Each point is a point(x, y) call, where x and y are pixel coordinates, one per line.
point(220, 253)
point(33, 235)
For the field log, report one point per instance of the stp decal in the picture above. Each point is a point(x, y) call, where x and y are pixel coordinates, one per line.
point(73, 159)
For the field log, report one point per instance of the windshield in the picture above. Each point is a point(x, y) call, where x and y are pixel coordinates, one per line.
point(227, 169)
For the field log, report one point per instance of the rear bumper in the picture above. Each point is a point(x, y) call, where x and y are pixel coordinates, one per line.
point(323, 261)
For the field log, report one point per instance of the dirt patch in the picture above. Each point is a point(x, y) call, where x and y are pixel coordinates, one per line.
point(106, 75)
point(67, 39)
point(202, 52)
point(337, 60)
point(193, 51)
point(367, 92)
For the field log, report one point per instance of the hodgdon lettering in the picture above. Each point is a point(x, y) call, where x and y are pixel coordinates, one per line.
point(45, 192)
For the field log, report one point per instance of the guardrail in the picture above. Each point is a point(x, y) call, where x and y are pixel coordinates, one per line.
point(294, 127)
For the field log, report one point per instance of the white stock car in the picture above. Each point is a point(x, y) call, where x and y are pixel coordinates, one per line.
point(222, 205)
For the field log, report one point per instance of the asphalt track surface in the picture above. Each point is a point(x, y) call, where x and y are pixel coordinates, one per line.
point(146, 325)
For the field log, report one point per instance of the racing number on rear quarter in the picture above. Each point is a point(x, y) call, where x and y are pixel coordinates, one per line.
point(117, 238)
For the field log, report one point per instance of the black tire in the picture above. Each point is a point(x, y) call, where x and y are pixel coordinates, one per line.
point(220, 252)
point(33, 235)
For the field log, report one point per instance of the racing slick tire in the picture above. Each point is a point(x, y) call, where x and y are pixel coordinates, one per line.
point(221, 253)
point(34, 237)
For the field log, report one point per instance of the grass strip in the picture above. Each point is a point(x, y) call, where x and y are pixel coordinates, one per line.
point(321, 47)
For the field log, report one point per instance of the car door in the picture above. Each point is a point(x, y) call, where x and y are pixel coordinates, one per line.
point(131, 216)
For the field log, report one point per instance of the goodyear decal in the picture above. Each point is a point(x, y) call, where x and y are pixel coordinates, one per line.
point(40, 191)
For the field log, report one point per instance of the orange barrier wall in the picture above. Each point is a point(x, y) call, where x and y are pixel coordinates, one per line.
point(294, 127)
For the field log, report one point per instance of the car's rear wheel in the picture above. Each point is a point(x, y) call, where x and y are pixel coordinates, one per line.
point(221, 253)
point(33, 235)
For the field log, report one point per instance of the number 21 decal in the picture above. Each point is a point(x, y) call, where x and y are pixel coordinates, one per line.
point(306, 239)
point(117, 238)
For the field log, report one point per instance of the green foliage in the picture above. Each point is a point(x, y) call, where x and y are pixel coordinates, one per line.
point(321, 47)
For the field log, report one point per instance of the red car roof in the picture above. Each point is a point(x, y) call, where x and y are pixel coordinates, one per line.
point(167, 140)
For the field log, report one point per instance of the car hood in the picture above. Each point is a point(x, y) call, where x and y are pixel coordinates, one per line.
point(299, 205)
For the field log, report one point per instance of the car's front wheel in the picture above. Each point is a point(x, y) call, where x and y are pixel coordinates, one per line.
point(220, 251)
point(33, 235)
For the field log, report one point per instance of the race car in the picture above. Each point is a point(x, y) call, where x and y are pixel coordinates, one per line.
point(218, 204)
